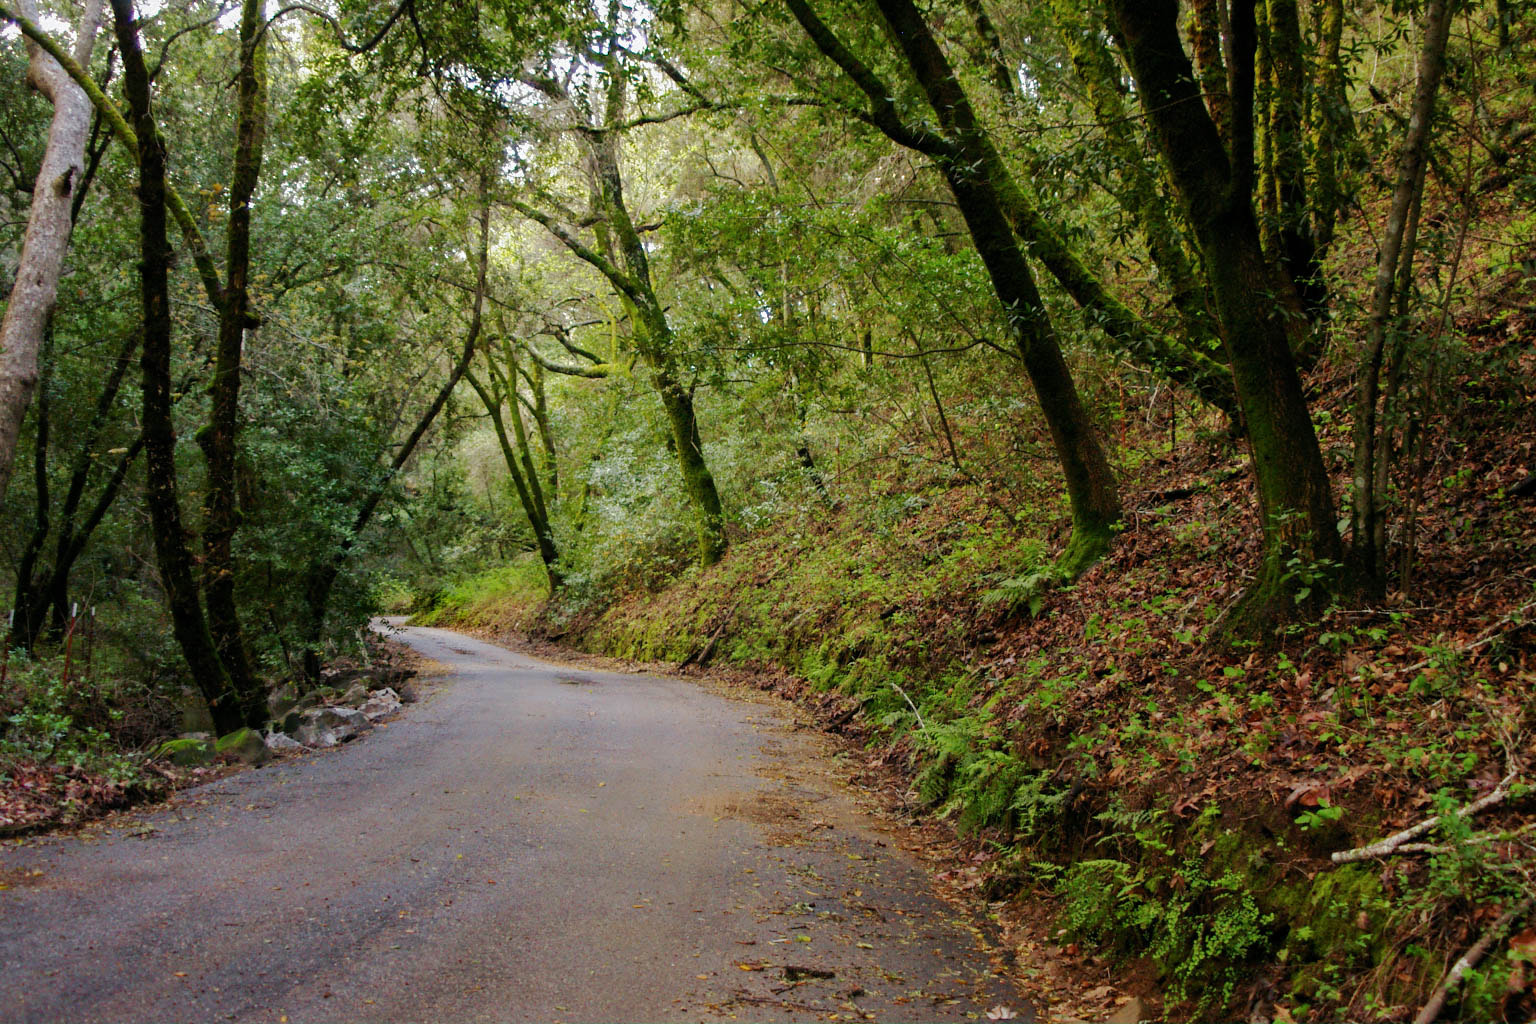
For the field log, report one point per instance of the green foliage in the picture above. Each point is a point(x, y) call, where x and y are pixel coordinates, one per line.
point(1201, 925)
point(53, 722)
point(502, 596)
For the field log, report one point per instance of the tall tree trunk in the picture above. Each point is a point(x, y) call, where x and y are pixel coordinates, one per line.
point(1206, 39)
point(1295, 501)
point(49, 223)
point(1288, 99)
point(219, 439)
point(29, 610)
point(1138, 191)
point(1332, 141)
point(175, 561)
point(653, 335)
point(1394, 273)
point(540, 409)
point(698, 481)
point(1091, 488)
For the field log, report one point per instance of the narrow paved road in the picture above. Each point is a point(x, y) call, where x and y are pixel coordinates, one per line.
point(531, 842)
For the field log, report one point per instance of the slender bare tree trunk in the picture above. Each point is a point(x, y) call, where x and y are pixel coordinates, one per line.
point(48, 229)
point(1394, 274)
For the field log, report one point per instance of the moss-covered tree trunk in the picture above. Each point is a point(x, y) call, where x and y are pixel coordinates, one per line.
point(171, 552)
point(653, 333)
point(708, 513)
point(219, 439)
point(1295, 500)
point(1137, 188)
point(1091, 489)
point(1289, 98)
point(1332, 142)
point(503, 391)
point(1207, 39)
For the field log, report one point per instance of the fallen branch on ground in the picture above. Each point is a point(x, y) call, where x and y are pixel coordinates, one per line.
point(746, 997)
point(1516, 619)
point(1470, 959)
point(1393, 843)
point(916, 713)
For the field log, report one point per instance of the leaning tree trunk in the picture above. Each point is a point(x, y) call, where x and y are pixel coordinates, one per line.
point(1301, 540)
point(171, 552)
point(973, 171)
point(520, 470)
point(48, 228)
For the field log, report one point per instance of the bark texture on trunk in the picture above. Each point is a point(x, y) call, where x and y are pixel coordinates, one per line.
point(171, 552)
point(1394, 268)
point(219, 439)
point(1295, 500)
point(49, 223)
point(972, 172)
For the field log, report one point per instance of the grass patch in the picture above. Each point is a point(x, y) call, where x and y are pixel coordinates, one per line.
point(506, 597)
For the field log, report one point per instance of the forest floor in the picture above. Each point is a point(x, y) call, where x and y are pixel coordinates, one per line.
point(531, 842)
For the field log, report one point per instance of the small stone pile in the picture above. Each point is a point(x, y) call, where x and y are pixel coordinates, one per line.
point(343, 708)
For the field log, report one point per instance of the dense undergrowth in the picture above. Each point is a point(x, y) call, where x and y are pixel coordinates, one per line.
point(1175, 800)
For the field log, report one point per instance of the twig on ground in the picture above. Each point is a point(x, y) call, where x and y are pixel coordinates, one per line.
point(1393, 843)
point(745, 997)
point(897, 687)
point(1470, 959)
point(1516, 618)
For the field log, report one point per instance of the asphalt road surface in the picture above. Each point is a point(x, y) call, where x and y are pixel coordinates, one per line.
point(531, 842)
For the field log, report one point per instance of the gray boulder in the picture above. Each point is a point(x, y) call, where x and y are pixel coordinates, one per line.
point(354, 695)
point(282, 744)
point(381, 703)
point(327, 727)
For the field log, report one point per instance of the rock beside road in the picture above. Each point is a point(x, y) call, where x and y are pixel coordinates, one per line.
point(281, 743)
point(381, 703)
point(245, 746)
point(330, 726)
